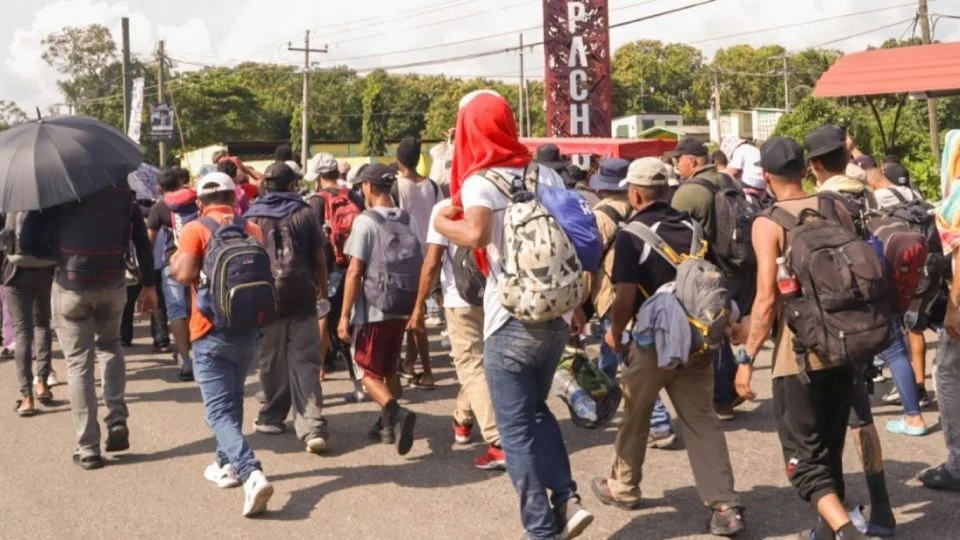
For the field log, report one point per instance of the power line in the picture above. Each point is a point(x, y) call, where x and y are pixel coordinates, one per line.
point(858, 34)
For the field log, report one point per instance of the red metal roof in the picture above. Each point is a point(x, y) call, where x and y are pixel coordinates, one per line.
point(921, 68)
point(614, 148)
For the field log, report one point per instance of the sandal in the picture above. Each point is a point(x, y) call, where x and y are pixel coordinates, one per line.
point(25, 412)
point(901, 426)
point(415, 382)
point(44, 397)
point(940, 478)
point(407, 375)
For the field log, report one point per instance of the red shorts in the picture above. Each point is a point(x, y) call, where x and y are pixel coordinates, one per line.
point(377, 347)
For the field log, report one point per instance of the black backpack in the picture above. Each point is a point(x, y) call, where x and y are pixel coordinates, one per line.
point(470, 281)
point(921, 217)
point(393, 271)
point(735, 213)
point(842, 313)
point(291, 265)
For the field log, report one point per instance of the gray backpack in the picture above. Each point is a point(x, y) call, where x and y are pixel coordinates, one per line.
point(393, 271)
point(699, 287)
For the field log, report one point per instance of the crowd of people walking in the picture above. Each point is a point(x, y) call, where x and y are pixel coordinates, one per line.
point(668, 261)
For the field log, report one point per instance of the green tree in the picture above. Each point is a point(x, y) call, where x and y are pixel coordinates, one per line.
point(10, 114)
point(213, 106)
point(650, 76)
point(812, 113)
point(374, 122)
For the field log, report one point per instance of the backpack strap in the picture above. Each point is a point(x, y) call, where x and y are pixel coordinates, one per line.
point(436, 190)
point(704, 183)
point(655, 241)
point(209, 223)
point(377, 217)
point(897, 195)
point(395, 192)
point(507, 186)
point(611, 212)
point(781, 217)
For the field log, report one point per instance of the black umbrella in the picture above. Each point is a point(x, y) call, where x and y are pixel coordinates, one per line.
point(59, 159)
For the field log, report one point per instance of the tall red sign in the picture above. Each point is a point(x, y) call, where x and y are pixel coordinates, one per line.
point(576, 41)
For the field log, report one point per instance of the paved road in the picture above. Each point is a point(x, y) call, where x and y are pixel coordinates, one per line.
point(366, 491)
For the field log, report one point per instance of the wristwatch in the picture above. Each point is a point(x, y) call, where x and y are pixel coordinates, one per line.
point(744, 359)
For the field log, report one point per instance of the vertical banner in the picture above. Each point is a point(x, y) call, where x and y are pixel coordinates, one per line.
point(136, 110)
point(576, 41)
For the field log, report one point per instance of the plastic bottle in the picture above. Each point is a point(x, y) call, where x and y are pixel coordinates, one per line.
point(566, 387)
point(786, 282)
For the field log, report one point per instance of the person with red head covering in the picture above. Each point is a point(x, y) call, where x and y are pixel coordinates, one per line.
point(519, 358)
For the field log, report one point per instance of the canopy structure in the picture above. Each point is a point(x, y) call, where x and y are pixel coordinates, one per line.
point(613, 148)
point(921, 71)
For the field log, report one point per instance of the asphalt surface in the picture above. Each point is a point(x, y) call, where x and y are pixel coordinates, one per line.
point(365, 490)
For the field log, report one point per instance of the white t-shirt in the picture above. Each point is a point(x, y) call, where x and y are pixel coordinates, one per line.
point(451, 298)
point(478, 191)
point(745, 159)
point(886, 198)
point(418, 199)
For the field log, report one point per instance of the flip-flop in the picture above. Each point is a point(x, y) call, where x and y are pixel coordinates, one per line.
point(45, 398)
point(940, 478)
point(407, 375)
point(24, 413)
point(415, 383)
point(900, 426)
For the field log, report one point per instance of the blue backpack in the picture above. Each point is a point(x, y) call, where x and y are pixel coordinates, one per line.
point(236, 291)
point(576, 219)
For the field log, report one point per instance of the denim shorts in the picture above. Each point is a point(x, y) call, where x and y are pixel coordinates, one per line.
point(177, 297)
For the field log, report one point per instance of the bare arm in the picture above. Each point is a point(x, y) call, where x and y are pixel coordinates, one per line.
point(428, 277)
point(320, 262)
point(625, 298)
point(152, 236)
point(473, 231)
point(184, 267)
point(351, 291)
point(766, 244)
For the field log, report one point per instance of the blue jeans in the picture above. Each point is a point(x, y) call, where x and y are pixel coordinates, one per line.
point(948, 396)
point(897, 356)
point(724, 372)
point(520, 360)
point(609, 361)
point(220, 365)
point(176, 295)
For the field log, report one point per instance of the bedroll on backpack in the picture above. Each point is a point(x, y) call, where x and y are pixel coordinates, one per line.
point(699, 287)
point(734, 214)
point(842, 313)
point(237, 292)
point(393, 271)
point(339, 213)
point(542, 277)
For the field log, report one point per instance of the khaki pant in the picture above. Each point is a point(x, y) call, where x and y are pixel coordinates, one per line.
point(465, 329)
point(691, 392)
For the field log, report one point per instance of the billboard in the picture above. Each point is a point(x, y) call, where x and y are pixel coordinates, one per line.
point(161, 122)
point(576, 41)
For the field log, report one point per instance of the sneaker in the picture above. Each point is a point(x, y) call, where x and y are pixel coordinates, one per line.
point(267, 429)
point(492, 460)
point(224, 477)
point(892, 397)
point(403, 425)
point(316, 445)
point(921, 392)
point(433, 320)
point(52, 379)
point(661, 439)
point(88, 463)
point(185, 376)
point(572, 519)
point(726, 522)
point(118, 438)
point(462, 432)
point(602, 491)
point(724, 412)
point(257, 491)
point(879, 377)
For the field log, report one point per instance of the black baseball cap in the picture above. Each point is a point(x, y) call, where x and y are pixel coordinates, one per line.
point(378, 174)
point(781, 156)
point(897, 173)
point(549, 156)
point(280, 174)
point(689, 147)
point(824, 140)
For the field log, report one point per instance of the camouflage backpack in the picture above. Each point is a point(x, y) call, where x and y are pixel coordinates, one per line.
point(542, 277)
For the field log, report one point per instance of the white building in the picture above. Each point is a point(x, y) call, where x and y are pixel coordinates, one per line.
point(628, 127)
point(756, 124)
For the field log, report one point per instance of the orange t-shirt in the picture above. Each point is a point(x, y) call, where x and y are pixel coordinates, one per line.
point(193, 241)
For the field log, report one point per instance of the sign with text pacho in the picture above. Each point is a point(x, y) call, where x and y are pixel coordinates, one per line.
point(576, 41)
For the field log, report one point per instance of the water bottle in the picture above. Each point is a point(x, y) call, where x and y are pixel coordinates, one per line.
point(787, 283)
point(566, 387)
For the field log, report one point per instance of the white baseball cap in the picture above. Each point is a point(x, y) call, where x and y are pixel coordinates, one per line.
point(216, 182)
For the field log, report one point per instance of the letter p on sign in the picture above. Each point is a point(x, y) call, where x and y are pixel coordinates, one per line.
point(576, 13)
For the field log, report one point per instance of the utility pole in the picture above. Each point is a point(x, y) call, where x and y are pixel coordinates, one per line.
point(161, 60)
point(127, 73)
point(526, 103)
point(521, 88)
point(304, 128)
point(924, 16)
point(716, 102)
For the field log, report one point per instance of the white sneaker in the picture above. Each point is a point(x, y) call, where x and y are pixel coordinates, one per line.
point(256, 492)
point(316, 445)
point(224, 477)
point(52, 379)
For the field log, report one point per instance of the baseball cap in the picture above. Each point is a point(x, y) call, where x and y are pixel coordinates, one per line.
point(280, 174)
point(609, 175)
point(781, 156)
point(646, 172)
point(824, 140)
point(897, 173)
point(689, 147)
point(549, 156)
point(322, 163)
point(216, 182)
point(378, 174)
